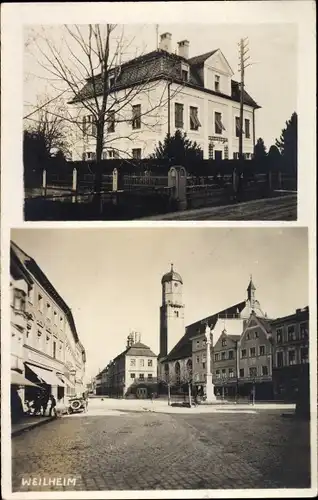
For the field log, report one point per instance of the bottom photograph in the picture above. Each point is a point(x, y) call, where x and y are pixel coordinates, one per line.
point(159, 359)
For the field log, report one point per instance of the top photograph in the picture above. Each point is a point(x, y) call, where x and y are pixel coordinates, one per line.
point(160, 122)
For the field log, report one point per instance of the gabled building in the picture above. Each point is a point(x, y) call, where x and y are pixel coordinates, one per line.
point(50, 353)
point(226, 364)
point(160, 92)
point(132, 372)
point(291, 355)
point(256, 358)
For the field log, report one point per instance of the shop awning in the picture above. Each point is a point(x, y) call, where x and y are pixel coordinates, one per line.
point(19, 379)
point(45, 376)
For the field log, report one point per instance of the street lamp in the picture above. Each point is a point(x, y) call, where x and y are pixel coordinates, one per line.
point(210, 396)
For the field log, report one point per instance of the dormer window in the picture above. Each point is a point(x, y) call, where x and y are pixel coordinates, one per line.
point(217, 83)
point(184, 72)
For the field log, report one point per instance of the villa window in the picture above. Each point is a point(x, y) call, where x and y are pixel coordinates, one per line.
point(149, 362)
point(242, 372)
point(149, 376)
point(216, 357)
point(194, 119)
point(136, 116)
point(136, 153)
point(178, 115)
point(217, 83)
point(217, 373)
point(247, 129)
point(132, 375)
point(224, 373)
point(111, 122)
point(237, 126)
point(141, 362)
point(231, 354)
point(132, 362)
point(224, 342)
point(223, 355)
point(243, 353)
point(231, 372)
point(262, 350)
point(141, 376)
point(219, 127)
point(40, 303)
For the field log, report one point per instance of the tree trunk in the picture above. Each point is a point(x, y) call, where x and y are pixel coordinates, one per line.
point(190, 396)
point(98, 172)
point(169, 395)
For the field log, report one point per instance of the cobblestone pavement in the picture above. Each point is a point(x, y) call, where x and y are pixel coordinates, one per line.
point(280, 208)
point(139, 451)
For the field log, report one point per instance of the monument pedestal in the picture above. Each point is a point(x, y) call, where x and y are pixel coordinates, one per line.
point(210, 396)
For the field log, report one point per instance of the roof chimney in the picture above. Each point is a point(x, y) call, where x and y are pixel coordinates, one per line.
point(165, 42)
point(183, 48)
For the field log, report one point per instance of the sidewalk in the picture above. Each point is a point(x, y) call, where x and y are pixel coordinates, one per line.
point(28, 423)
point(161, 406)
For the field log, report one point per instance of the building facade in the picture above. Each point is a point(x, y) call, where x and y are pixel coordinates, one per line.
point(256, 359)
point(226, 365)
point(167, 91)
point(291, 355)
point(132, 373)
point(52, 355)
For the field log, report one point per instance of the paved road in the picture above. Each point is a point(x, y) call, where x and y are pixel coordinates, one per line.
point(280, 208)
point(139, 451)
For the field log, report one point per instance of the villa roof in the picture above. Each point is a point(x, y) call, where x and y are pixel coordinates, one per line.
point(156, 65)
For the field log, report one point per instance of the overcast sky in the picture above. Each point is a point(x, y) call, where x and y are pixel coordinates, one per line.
point(110, 278)
point(271, 80)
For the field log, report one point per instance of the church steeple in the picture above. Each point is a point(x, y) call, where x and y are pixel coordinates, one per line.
point(251, 293)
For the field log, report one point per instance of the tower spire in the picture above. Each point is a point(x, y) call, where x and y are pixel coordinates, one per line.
point(172, 267)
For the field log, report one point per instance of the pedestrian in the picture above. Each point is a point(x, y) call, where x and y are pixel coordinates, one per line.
point(37, 404)
point(45, 400)
point(53, 406)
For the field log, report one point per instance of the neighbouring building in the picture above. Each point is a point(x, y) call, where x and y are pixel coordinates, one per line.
point(167, 91)
point(255, 359)
point(45, 346)
point(291, 355)
point(225, 365)
point(133, 372)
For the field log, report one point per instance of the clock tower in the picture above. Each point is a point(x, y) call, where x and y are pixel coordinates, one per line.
point(171, 312)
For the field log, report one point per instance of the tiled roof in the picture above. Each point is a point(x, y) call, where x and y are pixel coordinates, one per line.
point(183, 348)
point(300, 314)
point(159, 64)
point(31, 266)
point(140, 349)
point(198, 60)
point(137, 349)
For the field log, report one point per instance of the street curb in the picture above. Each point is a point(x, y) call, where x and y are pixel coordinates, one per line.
point(32, 426)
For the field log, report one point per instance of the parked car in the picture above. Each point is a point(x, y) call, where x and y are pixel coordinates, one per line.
point(77, 404)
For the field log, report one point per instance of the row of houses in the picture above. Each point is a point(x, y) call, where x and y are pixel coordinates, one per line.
point(159, 93)
point(46, 352)
point(251, 355)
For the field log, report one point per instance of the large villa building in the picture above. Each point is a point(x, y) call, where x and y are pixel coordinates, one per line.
point(163, 91)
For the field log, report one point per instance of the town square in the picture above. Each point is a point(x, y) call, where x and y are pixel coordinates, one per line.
point(182, 381)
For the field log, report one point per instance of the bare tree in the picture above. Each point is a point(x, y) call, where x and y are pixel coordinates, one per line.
point(186, 378)
point(88, 64)
point(48, 118)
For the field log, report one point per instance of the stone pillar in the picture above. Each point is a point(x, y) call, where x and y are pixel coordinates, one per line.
point(210, 396)
point(44, 183)
point(115, 179)
point(74, 185)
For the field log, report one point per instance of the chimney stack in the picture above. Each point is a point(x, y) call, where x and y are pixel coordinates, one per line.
point(183, 48)
point(165, 42)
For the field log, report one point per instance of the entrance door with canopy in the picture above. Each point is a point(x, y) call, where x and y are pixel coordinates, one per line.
point(47, 379)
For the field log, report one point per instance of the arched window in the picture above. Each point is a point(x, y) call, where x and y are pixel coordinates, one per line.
point(177, 371)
